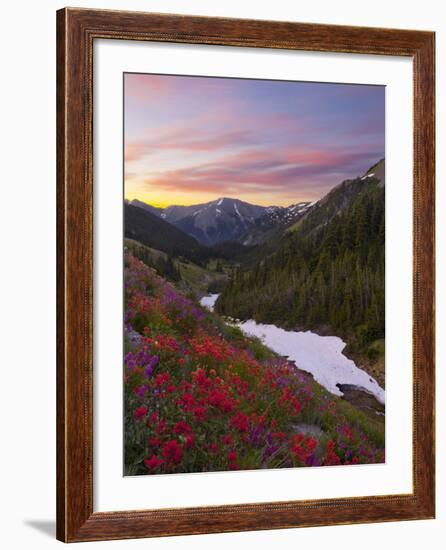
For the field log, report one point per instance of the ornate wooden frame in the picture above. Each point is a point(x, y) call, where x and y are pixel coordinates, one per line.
point(76, 31)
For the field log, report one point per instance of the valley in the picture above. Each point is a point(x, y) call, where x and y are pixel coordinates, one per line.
point(305, 281)
point(312, 266)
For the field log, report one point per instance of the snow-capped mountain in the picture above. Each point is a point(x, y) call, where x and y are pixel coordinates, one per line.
point(227, 219)
point(340, 197)
point(214, 222)
point(274, 218)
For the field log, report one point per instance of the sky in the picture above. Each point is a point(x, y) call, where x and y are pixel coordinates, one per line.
point(190, 140)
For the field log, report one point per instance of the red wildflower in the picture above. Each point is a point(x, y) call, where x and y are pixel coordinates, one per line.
point(240, 422)
point(218, 398)
point(296, 405)
point(201, 378)
point(232, 456)
point(187, 400)
point(140, 412)
point(199, 413)
point(182, 427)
point(153, 462)
point(232, 460)
point(172, 451)
point(331, 458)
point(161, 427)
point(162, 379)
point(227, 405)
point(227, 439)
point(299, 452)
point(302, 447)
point(310, 443)
point(154, 442)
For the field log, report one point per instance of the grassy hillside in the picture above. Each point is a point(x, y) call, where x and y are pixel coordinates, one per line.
point(188, 276)
point(200, 396)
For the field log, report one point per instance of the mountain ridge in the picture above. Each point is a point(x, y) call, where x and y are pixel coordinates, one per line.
point(226, 219)
point(149, 229)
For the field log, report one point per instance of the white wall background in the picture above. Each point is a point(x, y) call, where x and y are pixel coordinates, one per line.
point(27, 288)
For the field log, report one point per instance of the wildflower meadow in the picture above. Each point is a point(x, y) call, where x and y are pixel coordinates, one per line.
point(200, 396)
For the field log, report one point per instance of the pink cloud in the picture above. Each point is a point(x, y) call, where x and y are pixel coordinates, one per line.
point(183, 138)
point(134, 151)
point(142, 87)
point(267, 172)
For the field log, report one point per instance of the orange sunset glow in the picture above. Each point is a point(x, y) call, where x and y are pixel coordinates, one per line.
point(190, 140)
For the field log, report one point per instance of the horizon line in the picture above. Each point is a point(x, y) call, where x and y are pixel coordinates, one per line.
point(269, 205)
point(162, 204)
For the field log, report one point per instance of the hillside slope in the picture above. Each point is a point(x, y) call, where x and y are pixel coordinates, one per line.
point(154, 232)
point(228, 219)
point(201, 397)
point(328, 272)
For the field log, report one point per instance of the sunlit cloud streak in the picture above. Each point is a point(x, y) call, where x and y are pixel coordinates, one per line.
point(188, 139)
point(136, 150)
point(273, 174)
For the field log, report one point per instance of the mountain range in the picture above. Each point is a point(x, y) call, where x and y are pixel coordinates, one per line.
point(227, 219)
point(226, 226)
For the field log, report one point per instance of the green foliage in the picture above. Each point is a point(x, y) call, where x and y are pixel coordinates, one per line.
point(376, 350)
point(216, 285)
point(231, 250)
point(326, 275)
point(161, 262)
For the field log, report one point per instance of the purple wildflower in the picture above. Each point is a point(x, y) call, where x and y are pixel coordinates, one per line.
point(148, 371)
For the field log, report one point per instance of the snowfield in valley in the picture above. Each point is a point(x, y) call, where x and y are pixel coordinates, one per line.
point(209, 301)
point(319, 355)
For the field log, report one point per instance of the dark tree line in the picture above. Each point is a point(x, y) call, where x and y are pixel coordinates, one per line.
point(162, 264)
point(326, 277)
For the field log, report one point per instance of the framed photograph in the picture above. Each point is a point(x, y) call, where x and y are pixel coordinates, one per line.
point(245, 275)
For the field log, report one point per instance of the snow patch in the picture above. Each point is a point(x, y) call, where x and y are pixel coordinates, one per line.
point(200, 211)
point(319, 355)
point(209, 301)
point(367, 176)
point(240, 216)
